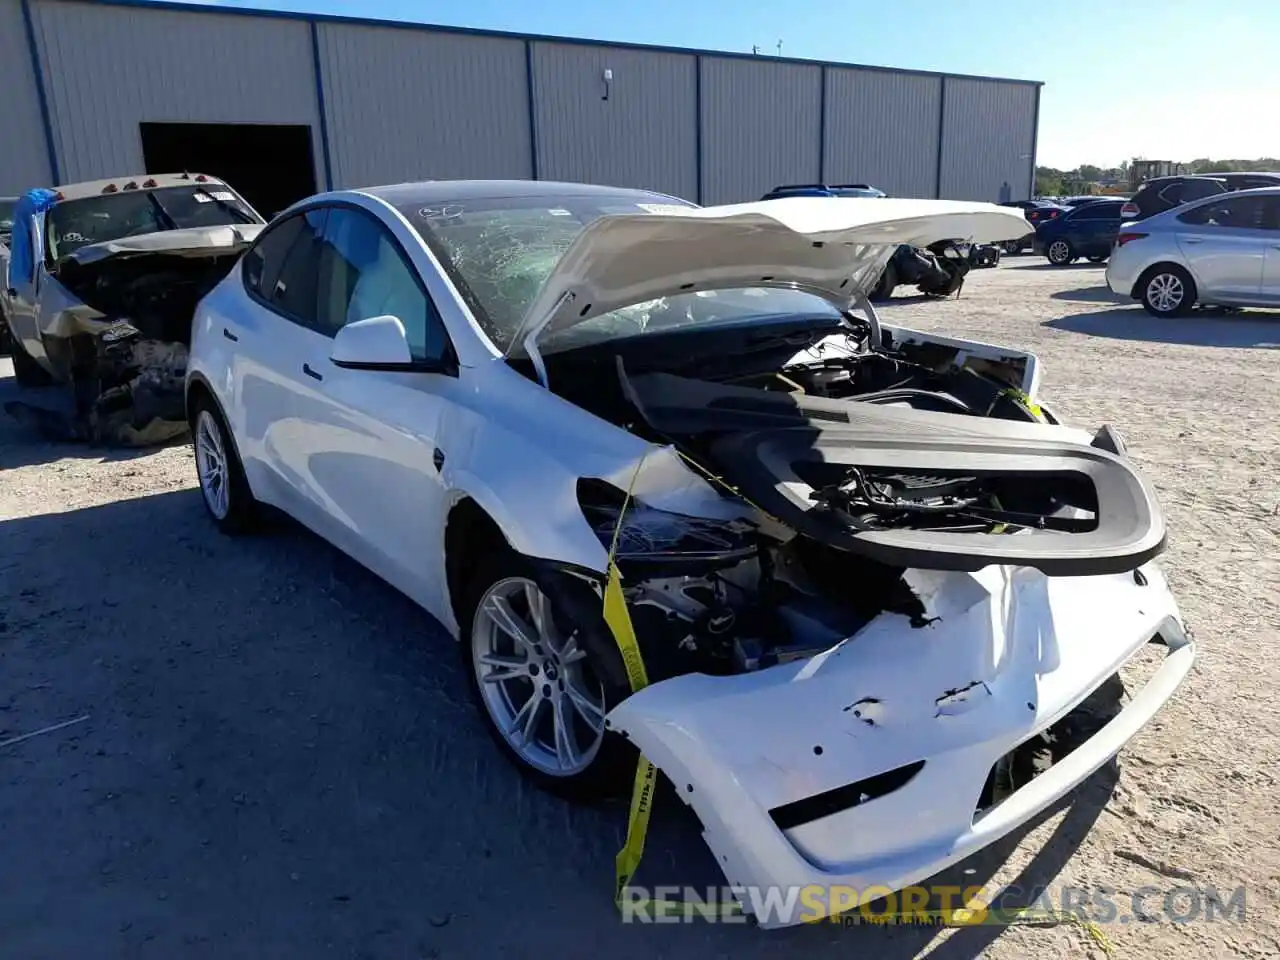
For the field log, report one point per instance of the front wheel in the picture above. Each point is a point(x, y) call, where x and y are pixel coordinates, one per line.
point(26, 370)
point(1060, 253)
point(1168, 291)
point(223, 484)
point(533, 674)
point(887, 283)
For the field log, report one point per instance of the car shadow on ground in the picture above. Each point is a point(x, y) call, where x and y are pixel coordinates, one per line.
point(1046, 265)
point(280, 758)
point(1253, 330)
point(1095, 294)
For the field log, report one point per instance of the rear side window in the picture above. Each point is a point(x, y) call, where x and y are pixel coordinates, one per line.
point(1243, 213)
point(1097, 211)
point(263, 260)
point(1199, 189)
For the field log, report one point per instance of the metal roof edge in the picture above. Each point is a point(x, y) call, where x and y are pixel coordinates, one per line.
point(338, 19)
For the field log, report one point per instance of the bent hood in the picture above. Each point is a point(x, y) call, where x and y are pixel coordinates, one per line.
point(834, 247)
point(191, 242)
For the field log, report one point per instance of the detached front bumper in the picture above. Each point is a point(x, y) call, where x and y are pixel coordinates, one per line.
point(865, 766)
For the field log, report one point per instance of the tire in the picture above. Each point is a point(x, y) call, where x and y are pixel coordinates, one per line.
point(1167, 290)
point(553, 672)
point(1060, 253)
point(1102, 259)
point(885, 286)
point(223, 485)
point(26, 371)
point(1011, 247)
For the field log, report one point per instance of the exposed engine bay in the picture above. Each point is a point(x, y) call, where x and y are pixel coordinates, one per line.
point(124, 351)
point(863, 461)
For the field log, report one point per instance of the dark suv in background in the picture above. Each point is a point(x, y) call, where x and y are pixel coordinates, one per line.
point(823, 190)
point(1164, 193)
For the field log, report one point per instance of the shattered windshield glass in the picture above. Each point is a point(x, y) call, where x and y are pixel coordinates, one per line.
point(73, 224)
point(499, 252)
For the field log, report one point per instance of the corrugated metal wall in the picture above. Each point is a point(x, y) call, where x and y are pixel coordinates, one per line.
point(401, 103)
point(761, 126)
point(988, 138)
point(109, 68)
point(408, 104)
point(24, 160)
point(882, 129)
point(643, 135)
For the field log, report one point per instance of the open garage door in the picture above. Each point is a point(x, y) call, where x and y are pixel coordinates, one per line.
point(270, 165)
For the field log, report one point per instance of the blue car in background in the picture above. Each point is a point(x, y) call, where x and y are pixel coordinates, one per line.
point(1088, 231)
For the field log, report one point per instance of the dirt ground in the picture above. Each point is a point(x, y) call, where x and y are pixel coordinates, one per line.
point(279, 759)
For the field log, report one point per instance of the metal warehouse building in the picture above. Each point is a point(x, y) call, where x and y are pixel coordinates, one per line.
point(283, 105)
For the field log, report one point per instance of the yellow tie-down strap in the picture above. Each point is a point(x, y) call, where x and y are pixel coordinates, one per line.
point(646, 780)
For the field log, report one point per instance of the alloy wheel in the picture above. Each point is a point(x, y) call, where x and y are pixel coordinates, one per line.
point(535, 680)
point(1165, 292)
point(211, 465)
point(1059, 251)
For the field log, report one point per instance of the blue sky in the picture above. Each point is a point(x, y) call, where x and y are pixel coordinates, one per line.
point(1123, 78)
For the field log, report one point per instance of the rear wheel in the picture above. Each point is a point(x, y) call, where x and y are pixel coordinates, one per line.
point(223, 484)
point(1101, 259)
point(1168, 291)
point(1060, 253)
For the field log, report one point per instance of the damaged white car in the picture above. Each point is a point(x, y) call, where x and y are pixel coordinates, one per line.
point(100, 286)
point(874, 583)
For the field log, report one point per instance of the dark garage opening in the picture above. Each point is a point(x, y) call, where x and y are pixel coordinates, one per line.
point(270, 165)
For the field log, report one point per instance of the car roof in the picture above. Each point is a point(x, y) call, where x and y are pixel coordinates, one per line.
point(1162, 181)
point(93, 188)
point(437, 191)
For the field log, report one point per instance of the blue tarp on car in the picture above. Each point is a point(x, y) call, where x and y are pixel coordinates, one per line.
point(22, 258)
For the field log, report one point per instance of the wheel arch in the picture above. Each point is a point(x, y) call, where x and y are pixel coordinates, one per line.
point(469, 532)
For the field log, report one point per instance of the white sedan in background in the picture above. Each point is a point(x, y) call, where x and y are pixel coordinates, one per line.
point(879, 592)
point(1223, 251)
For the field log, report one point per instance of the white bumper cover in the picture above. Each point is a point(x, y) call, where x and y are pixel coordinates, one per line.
point(1010, 653)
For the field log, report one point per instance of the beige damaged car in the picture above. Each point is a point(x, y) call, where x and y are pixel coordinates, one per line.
point(100, 286)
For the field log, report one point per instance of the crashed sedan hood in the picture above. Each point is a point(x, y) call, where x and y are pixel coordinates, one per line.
point(834, 247)
point(191, 242)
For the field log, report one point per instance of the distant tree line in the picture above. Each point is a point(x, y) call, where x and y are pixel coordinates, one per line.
point(1053, 182)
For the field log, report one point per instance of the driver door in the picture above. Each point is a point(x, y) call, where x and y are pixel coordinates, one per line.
point(366, 443)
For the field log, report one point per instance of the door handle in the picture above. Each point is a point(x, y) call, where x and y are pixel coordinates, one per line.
point(230, 336)
point(313, 374)
point(1194, 240)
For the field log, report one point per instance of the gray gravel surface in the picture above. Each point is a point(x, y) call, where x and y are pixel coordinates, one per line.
point(279, 758)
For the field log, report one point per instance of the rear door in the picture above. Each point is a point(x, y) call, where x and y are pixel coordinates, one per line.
point(1094, 227)
point(1225, 243)
point(1271, 263)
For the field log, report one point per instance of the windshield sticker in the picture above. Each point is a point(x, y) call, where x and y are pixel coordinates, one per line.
point(222, 195)
point(203, 198)
point(447, 212)
point(661, 207)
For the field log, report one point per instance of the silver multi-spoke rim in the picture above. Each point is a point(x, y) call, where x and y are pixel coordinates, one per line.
point(535, 680)
point(1165, 292)
point(211, 465)
point(1059, 252)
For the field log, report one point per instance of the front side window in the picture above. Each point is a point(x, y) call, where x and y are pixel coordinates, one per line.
point(73, 224)
point(364, 274)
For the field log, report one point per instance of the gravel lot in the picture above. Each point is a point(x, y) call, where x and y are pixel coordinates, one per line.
point(279, 758)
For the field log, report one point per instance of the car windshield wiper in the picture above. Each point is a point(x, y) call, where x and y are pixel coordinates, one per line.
point(231, 208)
point(163, 213)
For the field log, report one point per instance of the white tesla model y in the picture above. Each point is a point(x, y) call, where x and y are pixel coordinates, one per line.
point(869, 574)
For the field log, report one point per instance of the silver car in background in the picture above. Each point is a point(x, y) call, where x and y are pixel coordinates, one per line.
point(1223, 251)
